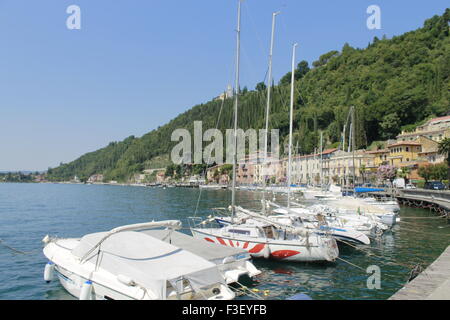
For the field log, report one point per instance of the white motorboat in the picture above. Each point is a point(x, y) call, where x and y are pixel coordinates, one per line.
point(355, 206)
point(385, 212)
point(126, 264)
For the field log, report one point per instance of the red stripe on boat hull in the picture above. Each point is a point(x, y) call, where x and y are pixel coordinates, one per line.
point(281, 254)
point(221, 241)
point(257, 248)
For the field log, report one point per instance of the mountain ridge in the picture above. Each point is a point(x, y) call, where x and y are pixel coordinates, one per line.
point(393, 83)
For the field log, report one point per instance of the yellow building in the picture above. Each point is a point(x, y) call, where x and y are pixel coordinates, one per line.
point(403, 151)
point(380, 157)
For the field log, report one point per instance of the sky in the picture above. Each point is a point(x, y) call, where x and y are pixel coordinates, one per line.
point(135, 65)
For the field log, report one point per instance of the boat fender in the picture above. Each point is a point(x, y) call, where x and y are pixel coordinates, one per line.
point(49, 271)
point(86, 291)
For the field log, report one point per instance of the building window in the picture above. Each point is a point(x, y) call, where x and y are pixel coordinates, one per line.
point(407, 149)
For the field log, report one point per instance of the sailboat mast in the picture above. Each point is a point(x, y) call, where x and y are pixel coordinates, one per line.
point(353, 144)
point(343, 138)
point(269, 90)
point(291, 119)
point(236, 101)
point(321, 159)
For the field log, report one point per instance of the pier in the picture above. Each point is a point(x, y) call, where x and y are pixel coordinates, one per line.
point(431, 284)
point(433, 200)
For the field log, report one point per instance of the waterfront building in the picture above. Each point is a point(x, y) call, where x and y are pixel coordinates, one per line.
point(95, 178)
point(337, 166)
point(403, 151)
point(429, 151)
point(216, 175)
point(435, 129)
point(308, 169)
point(342, 165)
point(264, 168)
point(245, 173)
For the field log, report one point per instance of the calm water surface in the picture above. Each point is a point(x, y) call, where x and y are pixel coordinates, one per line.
point(30, 211)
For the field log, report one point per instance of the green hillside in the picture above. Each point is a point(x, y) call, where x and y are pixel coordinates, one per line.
point(392, 83)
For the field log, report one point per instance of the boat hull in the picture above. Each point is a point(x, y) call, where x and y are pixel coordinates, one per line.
point(273, 249)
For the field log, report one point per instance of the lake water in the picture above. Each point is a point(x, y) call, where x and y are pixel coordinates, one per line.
point(30, 211)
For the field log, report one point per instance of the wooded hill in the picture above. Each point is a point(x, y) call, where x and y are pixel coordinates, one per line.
point(393, 84)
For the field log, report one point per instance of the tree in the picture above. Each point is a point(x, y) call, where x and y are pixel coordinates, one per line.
point(390, 125)
point(323, 59)
point(302, 69)
point(444, 149)
point(386, 172)
point(439, 171)
point(404, 173)
point(300, 72)
point(170, 170)
point(261, 86)
point(425, 172)
point(216, 175)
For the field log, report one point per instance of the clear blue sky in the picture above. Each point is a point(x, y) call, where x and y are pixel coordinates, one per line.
point(134, 65)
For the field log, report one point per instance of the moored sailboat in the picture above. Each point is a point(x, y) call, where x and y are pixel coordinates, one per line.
point(261, 236)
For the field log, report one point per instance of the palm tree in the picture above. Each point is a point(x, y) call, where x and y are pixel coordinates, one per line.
point(444, 149)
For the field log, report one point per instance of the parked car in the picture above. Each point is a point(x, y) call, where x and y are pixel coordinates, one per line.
point(434, 185)
point(410, 186)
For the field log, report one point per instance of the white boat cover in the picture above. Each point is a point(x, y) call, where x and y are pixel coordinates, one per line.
point(148, 261)
point(209, 251)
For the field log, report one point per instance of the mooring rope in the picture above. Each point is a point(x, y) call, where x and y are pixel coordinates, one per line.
point(14, 249)
point(245, 290)
point(365, 271)
point(375, 255)
point(352, 264)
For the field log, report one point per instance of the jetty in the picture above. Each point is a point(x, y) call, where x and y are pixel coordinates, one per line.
point(431, 284)
point(437, 201)
point(433, 200)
